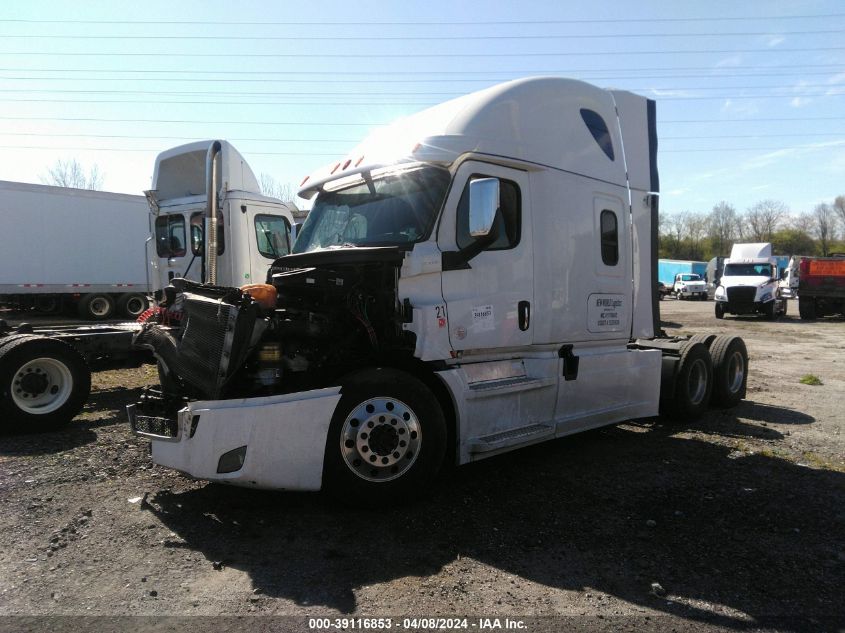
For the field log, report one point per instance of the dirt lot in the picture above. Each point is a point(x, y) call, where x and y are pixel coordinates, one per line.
point(740, 519)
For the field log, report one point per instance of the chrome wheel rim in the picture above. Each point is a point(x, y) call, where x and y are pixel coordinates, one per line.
point(697, 386)
point(380, 439)
point(736, 371)
point(41, 386)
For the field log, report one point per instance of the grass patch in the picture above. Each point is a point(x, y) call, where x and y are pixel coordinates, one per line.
point(811, 379)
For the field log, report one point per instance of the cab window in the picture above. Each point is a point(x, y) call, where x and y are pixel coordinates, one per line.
point(508, 220)
point(170, 236)
point(272, 233)
point(197, 228)
point(609, 238)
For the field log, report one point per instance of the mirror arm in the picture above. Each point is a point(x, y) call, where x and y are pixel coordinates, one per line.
point(457, 260)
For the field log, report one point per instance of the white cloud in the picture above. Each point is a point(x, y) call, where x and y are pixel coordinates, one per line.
point(775, 40)
point(800, 102)
point(836, 79)
point(677, 192)
point(764, 160)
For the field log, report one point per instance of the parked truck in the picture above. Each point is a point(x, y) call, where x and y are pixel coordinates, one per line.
point(478, 278)
point(821, 286)
point(73, 249)
point(749, 283)
point(45, 371)
point(683, 279)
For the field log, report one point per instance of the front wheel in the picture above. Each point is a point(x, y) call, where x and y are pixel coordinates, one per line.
point(720, 311)
point(43, 384)
point(386, 441)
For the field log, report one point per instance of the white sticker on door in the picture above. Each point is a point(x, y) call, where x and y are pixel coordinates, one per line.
point(606, 313)
point(483, 319)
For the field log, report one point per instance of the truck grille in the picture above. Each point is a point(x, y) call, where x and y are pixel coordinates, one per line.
point(742, 295)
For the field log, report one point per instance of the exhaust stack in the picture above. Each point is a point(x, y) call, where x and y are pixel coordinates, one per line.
point(211, 189)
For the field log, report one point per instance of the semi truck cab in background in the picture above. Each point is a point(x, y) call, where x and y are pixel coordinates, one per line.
point(478, 277)
point(749, 283)
point(252, 230)
point(45, 371)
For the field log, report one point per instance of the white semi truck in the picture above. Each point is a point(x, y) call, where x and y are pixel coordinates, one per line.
point(45, 371)
point(750, 283)
point(73, 248)
point(477, 278)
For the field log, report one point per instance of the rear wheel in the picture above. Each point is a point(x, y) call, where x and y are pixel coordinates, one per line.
point(132, 305)
point(43, 384)
point(96, 306)
point(730, 370)
point(386, 441)
point(806, 307)
point(693, 382)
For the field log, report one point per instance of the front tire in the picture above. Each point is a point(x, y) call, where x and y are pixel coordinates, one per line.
point(43, 384)
point(386, 441)
point(720, 310)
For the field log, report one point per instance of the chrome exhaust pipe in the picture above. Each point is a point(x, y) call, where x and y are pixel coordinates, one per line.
point(211, 189)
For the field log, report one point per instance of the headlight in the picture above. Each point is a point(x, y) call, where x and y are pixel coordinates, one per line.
point(720, 291)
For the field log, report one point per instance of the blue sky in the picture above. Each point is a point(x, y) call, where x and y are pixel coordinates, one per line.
point(749, 95)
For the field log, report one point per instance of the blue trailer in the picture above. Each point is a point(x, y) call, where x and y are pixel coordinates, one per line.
point(668, 268)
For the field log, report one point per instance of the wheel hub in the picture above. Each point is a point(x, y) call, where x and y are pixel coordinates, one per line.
point(380, 439)
point(33, 382)
point(41, 386)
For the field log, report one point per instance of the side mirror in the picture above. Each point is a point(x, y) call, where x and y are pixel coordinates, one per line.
point(483, 204)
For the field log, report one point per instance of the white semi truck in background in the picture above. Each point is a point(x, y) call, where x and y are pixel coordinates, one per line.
point(45, 371)
point(750, 283)
point(63, 248)
point(477, 278)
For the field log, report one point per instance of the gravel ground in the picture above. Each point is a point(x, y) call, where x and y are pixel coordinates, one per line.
point(735, 522)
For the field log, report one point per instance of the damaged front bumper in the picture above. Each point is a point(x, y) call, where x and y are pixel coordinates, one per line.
point(274, 442)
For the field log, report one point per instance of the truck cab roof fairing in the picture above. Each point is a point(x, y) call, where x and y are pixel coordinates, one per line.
point(508, 120)
point(180, 171)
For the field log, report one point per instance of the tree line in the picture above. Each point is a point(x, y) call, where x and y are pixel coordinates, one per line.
point(702, 236)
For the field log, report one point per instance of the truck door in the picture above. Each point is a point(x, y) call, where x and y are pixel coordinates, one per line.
point(489, 299)
point(267, 234)
point(171, 246)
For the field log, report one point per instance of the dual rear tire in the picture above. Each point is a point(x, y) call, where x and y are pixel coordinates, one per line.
point(716, 376)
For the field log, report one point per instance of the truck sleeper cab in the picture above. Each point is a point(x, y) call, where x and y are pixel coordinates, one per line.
point(477, 278)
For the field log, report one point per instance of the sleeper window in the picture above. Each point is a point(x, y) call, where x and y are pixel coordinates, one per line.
point(609, 238)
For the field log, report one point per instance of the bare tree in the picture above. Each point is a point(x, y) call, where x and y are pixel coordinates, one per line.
point(70, 173)
point(824, 226)
point(764, 218)
point(271, 187)
point(839, 206)
point(721, 227)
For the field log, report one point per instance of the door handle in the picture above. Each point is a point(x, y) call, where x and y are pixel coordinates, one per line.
point(524, 311)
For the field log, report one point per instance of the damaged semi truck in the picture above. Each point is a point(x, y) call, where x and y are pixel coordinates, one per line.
point(476, 278)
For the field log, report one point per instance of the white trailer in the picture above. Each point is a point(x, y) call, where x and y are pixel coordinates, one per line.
point(479, 277)
point(64, 247)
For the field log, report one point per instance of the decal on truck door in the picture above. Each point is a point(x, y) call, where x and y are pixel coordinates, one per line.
point(606, 313)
